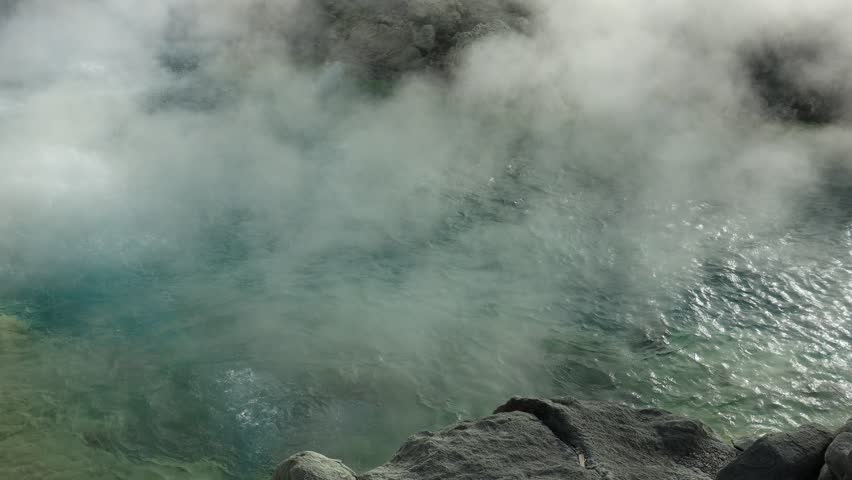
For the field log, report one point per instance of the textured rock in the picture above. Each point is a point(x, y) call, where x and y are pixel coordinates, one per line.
point(826, 474)
point(562, 439)
point(838, 458)
point(13, 331)
point(312, 466)
point(782, 456)
point(569, 439)
point(386, 39)
point(514, 445)
point(629, 443)
point(799, 80)
point(424, 38)
point(744, 442)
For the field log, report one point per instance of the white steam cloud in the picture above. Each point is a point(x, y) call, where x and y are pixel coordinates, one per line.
point(421, 237)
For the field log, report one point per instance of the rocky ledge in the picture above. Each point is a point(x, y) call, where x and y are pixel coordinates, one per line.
point(570, 439)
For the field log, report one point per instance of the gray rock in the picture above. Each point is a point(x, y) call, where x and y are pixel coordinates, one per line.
point(838, 457)
point(799, 79)
point(373, 35)
point(424, 37)
point(312, 466)
point(562, 439)
point(826, 474)
point(513, 445)
point(629, 443)
point(782, 456)
point(743, 443)
point(463, 40)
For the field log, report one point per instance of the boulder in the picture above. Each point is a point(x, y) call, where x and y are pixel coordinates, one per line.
point(513, 445)
point(783, 456)
point(838, 457)
point(623, 442)
point(312, 466)
point(562, 439)
point(424, 38)
point(826, 474)
point(799, 79)
point(386, 39)
point(743, 443)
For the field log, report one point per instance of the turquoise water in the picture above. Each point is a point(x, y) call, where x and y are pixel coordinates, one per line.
point(202, 273)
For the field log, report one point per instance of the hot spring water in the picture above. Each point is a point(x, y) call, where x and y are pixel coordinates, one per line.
point(203, 272)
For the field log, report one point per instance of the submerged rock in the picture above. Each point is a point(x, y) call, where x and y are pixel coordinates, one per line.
point(782, 456)
point(312, 466)
point(12, 331)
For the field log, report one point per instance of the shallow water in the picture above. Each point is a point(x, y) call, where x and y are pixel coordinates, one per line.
point(204, 272)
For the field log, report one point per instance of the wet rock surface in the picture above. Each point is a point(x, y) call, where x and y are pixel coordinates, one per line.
point(623, 442)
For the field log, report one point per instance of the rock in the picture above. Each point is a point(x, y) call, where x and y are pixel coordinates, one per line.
point(562, 439)
point(513, 445)
point(826, 474)
point(630, 443)
point(743, 443)
point(424, 38)
point(799, 80)
point(782, 456)
point(312, 466)
point(838, 457)
point(377, 37)
point(463, 40)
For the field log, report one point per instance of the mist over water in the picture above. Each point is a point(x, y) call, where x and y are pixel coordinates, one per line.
point(213, 256)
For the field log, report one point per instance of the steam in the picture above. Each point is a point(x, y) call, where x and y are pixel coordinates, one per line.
point(421, 237)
